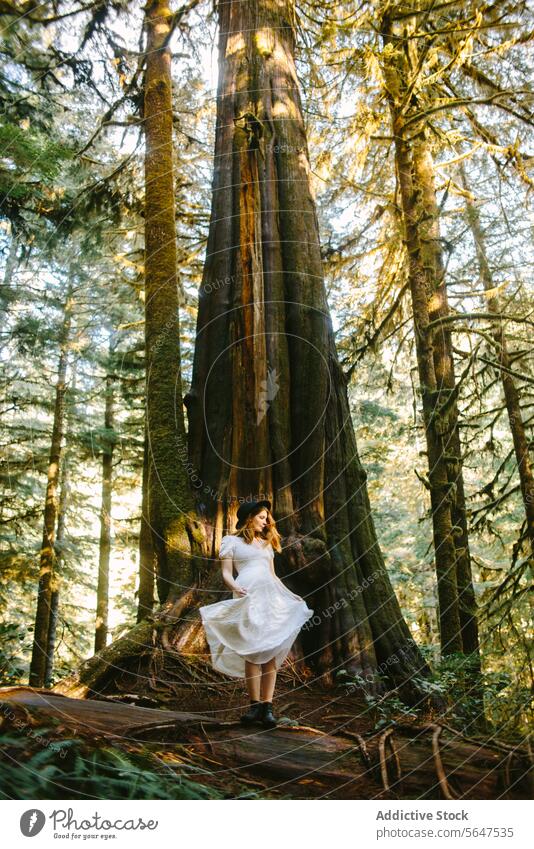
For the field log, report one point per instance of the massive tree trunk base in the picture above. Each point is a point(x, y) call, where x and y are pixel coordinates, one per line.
point(172, 644)
point(297, 759)
point(159, 648)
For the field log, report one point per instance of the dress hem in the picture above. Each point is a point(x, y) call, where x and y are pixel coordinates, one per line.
point(215, 642)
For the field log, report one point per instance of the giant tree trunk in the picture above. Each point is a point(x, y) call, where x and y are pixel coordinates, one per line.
point(423, 285)
point(268, 409)
point(169, 493)
point(47, 556)
point(510, 391)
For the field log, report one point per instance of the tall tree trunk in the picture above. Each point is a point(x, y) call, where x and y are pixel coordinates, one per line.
point(64, 494)
point(510, 391)
point(59, 559)
point(170, 497)
point(268, 408)
point(102, 592)
point(432, 258)
point(47, 554)
point(398, 66)
point(147, 561)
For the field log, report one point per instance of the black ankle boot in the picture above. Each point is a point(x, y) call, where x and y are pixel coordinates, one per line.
point(268, 720)
point(253, 714)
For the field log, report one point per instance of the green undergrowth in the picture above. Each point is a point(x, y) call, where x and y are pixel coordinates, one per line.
point(35, 766)
point(488, 704)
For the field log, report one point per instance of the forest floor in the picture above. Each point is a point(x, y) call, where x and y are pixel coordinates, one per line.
point(328, 744)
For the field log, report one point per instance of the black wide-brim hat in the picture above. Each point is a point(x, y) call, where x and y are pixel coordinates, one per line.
point(247, 508)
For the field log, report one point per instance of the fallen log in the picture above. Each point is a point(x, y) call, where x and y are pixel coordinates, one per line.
point(97, 715)
point(403, 761)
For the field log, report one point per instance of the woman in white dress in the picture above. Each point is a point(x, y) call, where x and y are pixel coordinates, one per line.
point(250, 634)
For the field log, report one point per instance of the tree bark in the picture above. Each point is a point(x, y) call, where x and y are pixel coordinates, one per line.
point(47, 555)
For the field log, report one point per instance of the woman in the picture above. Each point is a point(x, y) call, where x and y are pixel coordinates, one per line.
point(250, 634)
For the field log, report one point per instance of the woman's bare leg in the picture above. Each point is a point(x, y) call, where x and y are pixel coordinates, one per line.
point(253, 673)
point(268, 680)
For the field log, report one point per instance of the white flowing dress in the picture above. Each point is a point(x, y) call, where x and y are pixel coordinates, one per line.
point(257, 626)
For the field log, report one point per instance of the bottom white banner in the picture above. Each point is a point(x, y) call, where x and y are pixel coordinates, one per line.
point(257, 824)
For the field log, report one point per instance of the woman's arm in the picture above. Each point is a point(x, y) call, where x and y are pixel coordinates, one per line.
point(227, 568)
